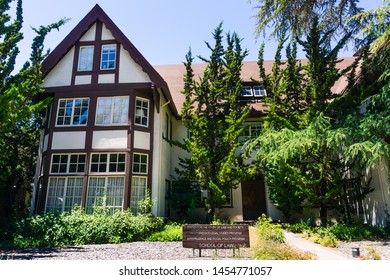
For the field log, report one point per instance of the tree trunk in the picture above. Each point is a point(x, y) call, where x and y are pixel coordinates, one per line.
point(324, 214)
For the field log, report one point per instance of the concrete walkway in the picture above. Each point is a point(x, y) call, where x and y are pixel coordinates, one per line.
point(322, 253)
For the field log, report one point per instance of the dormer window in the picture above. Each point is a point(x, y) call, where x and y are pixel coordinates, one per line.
point(246, 91)
point(259, 91)
point(253, 91)
point(108, 61)
point(85, 58)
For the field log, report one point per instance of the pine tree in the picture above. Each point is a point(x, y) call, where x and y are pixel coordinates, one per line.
point(19, 114)
point(215, 120)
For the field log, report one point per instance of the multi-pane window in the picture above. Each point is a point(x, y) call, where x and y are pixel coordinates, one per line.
point(246, 91)
point(104, 163)
point(228, 198)
point(259, 91)
point(141, 112)
point(105, 192)
point(63, 194)
point(85, 58)
point(140, 163)
point(72, 111)
point(252, 130)
point(108, 60)
point(256, 91)
point(112, 110)
point(65, 163)
point(138, 192)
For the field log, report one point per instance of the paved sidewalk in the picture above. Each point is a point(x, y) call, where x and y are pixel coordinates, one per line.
point(322, 253)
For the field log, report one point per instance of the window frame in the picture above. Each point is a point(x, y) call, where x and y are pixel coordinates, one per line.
point(112, 111)
point(72, 116)
point(108, 163)
point(63, 197)
point(250, 128)
point(89, 58)
point(108, 61)
point(260, 89)
point(135, 192)
point(246, 91)
point(140, 164)
point(106, 188)
point(141, 108)
point(68, 163)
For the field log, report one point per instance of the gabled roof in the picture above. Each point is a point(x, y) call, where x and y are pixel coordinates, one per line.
point(174, 74)
point(97, 14)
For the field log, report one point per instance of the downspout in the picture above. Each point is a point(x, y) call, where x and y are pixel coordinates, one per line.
point(165, 104)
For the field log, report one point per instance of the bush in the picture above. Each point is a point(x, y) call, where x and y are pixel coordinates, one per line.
point(270, 243)
point(171, 232)
point(330, 234)
point(78, 228)
point(268, 230)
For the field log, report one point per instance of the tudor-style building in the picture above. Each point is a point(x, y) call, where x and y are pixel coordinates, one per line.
point(105, 138)
point(99, 146)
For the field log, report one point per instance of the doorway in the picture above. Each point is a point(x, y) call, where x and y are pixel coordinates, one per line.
point(253, 198)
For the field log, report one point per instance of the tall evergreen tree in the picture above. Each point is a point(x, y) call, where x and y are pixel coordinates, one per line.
point(301, 149)
point(19, 115)
point(215, 120)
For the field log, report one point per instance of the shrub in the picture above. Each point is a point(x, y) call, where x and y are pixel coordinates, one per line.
point(77, 228)
point(268, 230)
point(269, 244)
point(171, 232)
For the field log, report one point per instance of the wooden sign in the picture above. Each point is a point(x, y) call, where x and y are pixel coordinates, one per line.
point(198, 236)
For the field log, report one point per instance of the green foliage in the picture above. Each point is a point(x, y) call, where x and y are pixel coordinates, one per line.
point(312, 137)
point(19, 115)
point(214, 118)
point(78, 228)
point(145, 205)
point(171, 232)
point(332, 232)
point(184, 197)
point(270, 243)
point(296, 17)
point(268, 230)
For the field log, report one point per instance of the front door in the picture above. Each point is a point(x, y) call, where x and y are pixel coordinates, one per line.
point(253, 199)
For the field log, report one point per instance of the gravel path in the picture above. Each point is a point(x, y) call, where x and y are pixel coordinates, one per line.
point(167, 251)
point(124, 251)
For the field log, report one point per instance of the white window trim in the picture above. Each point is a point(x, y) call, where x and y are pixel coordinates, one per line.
point(63, 196)
point(72, 117)
point(104, 197)
point(67, 164)
point(261, 89)
point(78, 65)
point(107, 163)
point(112, 111)
point(139, 198)
point(101, 57)
point(148, 109)
point(244, 91)
point(147, 164)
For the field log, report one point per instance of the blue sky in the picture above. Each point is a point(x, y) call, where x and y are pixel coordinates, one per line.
point(162, 30)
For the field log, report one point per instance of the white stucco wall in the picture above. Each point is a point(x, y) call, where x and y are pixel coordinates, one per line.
point(129, 70)
point(89, 35)
point(109, 139)
point(83, 80)
point(161, 159)
point(106, 79)
point(141, 140)
point(68, 140)
point(377, 203)
point(61, 74)
point(106, 33)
